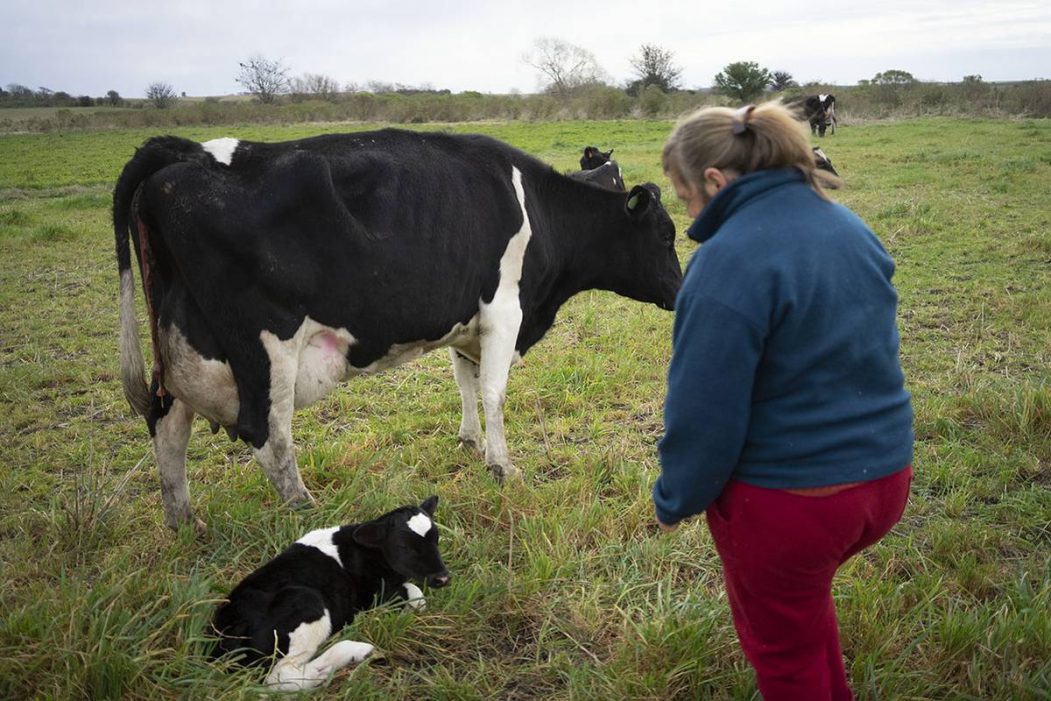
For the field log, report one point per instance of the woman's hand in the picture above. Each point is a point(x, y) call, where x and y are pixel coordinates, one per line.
point(665, 528)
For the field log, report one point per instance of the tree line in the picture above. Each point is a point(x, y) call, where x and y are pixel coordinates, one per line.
point(563, 69)
point(572, 85)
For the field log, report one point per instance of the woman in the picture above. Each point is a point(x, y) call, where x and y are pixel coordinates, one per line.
point(786, 420)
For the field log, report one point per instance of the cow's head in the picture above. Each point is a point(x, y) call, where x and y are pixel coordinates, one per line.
point(593, 158)
point(822, 161)
point(408, 539)
point(647, 266)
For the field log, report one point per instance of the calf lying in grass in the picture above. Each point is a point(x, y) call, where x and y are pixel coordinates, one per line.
point(286, 609)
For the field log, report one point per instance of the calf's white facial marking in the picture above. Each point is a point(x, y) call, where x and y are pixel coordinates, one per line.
point(420, 524)
point(222, 149)
point(322, 540)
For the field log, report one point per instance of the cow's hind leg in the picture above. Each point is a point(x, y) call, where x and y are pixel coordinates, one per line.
point(277, 455)
point(171, 435)
point(466, 372)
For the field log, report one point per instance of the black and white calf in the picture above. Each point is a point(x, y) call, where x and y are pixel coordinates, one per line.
point(274, 271)
point(607, 175)
point(593, 158)
point(284, 611)
point(822, 161)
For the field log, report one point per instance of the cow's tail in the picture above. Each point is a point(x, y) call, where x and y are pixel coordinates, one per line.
point(153, 156)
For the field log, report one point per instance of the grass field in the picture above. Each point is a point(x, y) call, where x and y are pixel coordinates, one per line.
point(562, 587)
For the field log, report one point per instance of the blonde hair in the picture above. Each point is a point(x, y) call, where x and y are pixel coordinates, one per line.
point(755, 137)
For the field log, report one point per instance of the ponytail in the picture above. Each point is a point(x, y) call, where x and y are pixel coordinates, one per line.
point(754, 137)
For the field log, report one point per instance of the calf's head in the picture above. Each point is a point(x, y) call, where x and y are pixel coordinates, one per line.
point(593, 158)
point(408, 539)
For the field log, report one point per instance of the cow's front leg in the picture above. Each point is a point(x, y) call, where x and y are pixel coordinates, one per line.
point(466, 372)
point(170, 438)
point(277, 455)
point(498, 350)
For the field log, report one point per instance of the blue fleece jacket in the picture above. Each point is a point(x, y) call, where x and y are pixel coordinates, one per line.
point(785, 369)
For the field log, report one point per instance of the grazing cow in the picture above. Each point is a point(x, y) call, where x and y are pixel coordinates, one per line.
point(273, 271)
point(818, 110)
point(607, 175)
point(593, 158)
point(288, 607)
point(823, 161)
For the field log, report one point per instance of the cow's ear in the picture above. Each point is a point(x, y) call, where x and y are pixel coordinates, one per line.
point(638, 201)
point(430, 504)
point(370, 535)
point(587, 152)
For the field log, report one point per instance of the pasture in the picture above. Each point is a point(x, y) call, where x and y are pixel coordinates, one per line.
point(562, 586)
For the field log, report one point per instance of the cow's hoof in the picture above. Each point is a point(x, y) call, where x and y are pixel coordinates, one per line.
point(200, 528)
point(305, 500)
point(505, 473)
point(475, 444)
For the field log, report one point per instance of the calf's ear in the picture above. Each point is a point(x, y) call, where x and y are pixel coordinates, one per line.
point(430, 504)
point(369, 535)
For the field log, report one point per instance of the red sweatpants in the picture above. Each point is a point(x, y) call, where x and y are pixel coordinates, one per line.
point(779, 553)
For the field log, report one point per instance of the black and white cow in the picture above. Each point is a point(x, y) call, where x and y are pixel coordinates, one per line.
point(273, 271)
point(607, 175)
point(593, 158)
point(819, 111)
point(285, 610)
point(823, 162)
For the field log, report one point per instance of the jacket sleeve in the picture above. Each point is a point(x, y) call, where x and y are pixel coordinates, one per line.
point(715, 353)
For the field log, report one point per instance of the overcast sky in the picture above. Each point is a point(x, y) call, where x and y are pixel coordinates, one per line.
point(90, 47)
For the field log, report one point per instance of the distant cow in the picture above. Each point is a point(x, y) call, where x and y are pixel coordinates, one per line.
point(607, 175)
point(818, 110)
point(593, 158)
point(823, 161)
point(273, 271)
point(285, 610)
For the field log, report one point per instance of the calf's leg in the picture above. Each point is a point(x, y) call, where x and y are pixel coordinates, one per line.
point(296, 610)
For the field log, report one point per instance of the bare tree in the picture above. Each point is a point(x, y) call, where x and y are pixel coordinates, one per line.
point(263, 77)
point(654, 66)
point(315, 85)
point(566, 67)
point(161, 95)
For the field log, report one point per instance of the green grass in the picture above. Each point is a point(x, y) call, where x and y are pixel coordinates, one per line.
point(562, 589)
